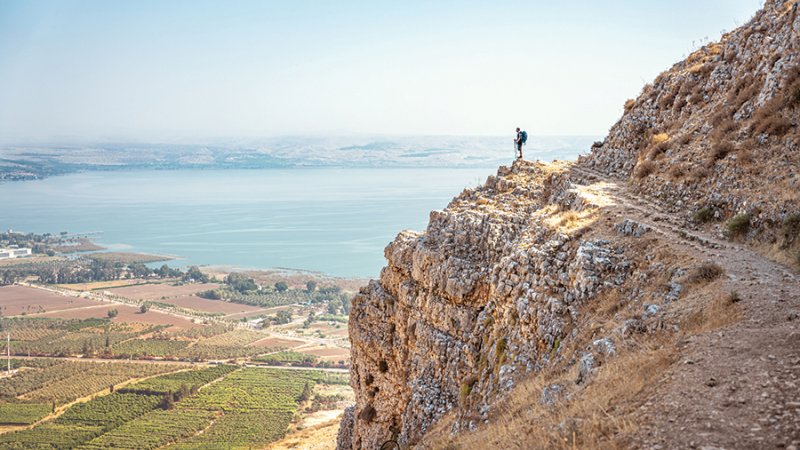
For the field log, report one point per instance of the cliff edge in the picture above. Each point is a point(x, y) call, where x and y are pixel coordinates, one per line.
point(594, 304)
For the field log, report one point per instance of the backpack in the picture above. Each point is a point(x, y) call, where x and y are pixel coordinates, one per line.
point(524, 137)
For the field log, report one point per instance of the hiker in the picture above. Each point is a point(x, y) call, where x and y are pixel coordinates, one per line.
point(522, 138)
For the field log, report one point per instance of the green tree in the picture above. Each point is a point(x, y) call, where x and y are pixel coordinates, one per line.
point(144, 307)
point(334, 306)
point(281, 286)
point(241, 283)
point(194, 274)
point(311, 286)
point(283, 317)
point(113, 313)
point(211, 294)
point(306, 394)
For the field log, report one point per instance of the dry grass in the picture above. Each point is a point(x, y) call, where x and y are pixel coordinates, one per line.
point(705, 273)
point(722, 310)
point(597, 416)
point(629, 104)
point(744, 156)
point(677, 171)
point(568, 221)
point(770, 118)
point(644, 169)
point(659, 138)
point(719, 151)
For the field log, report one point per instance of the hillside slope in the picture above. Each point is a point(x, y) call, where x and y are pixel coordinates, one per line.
point(635, 298)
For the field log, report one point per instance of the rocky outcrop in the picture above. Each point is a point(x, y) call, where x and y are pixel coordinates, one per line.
point(707, 133)
point(484, 296)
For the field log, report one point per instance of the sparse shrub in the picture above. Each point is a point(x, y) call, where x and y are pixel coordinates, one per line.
point(685, 139)
point(794, 93)
point(667, 100)
point(680, 103)
point(677, 171)
point(629, 104)
point(500, 352)
point(772, 123)
point(657, 150)
point(720, 117)
point(738, 225)
point(705, 273)
point(465, 390)
point(699, 173)
point(744, 155)
point(644, 169)
point(720, 150)
point(791, 227)
point(704, 215)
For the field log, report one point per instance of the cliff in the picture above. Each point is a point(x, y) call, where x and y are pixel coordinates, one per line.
point(586, 304)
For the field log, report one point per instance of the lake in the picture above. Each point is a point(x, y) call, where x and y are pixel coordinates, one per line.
point(331, 220)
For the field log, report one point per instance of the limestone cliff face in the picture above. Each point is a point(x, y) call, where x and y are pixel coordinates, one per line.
point(497, 283)
point(461, 311)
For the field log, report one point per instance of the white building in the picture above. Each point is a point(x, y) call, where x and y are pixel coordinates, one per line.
point(9, 253)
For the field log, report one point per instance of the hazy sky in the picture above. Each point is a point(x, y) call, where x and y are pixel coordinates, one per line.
point(152, 70)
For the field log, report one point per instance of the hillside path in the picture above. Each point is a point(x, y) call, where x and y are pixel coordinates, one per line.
point(737, 387)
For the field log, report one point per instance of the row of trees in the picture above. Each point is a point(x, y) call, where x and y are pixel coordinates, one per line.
point(86, 270)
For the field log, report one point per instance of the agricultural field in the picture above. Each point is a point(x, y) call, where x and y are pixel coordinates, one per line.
point(61, 337)
point(173, 382)
point(288, 358)
point(66, 381)
point(215, 407)
point(234, 338)
point(23, 413)
point(97, 285)
point(127, 314)
point(329, 353)
point(278, 342)
point(161, 291)
point(146, 348)
point(21, 300)
point(195, 303)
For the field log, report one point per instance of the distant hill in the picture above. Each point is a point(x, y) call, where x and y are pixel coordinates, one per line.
point(38, 161)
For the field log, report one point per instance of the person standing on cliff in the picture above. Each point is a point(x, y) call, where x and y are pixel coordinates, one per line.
point(522, 138)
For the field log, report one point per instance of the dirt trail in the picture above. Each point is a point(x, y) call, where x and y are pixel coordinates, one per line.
point(735, 387)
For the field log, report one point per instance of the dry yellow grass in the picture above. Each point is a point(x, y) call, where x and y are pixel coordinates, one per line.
point(599, 415)
point(659, 138)
point(721, 310)
point(568, 222)
point(319, 437)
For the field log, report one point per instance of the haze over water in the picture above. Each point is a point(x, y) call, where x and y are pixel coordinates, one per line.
point(332, 220)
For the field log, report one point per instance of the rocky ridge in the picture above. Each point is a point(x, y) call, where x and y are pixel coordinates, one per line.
point(557, 270)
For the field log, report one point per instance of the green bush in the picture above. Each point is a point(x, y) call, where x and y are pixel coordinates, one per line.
point(704, 215)
point(791, 227)
point(738, 225)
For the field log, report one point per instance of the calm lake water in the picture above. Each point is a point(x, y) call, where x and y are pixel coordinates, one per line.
point(335, 221)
